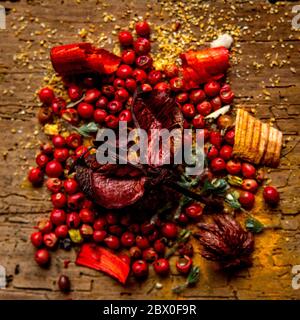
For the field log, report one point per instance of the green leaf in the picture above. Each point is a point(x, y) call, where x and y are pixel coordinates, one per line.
point(234, 180)
point(192, 279)
point(253, 225)
point(216, 186)
point(86, 129)
point(232, 200)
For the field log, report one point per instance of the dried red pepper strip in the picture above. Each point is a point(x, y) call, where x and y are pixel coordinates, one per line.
point(98, 258)
point(83, 58)
point(204, 65)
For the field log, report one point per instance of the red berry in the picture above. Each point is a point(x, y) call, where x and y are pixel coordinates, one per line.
point(215, 139)
point(169, 230)
point(42, 257)
point(36, 176)
point(92, 95)
point(50, 240)
point(250, 185)
point(54, 169)
point(142, 242)
point(80, 151)
point(161, 266)
point(271, 195)
point(41, 160)
point(198, 121)
point(226, 95)
point(36, 239)
point(75, 201)
point(149, 255)
point(139, 75)
point(108, 91)
point(64, 283)
point(142, 29)
point(135, 252)
point(58, 216)
point(125, 38)
point(58, 141)
point(212, 152)
point(74, 92)
point(128, 56)
point(99, 223)
point(89, 82)
point(61, 154)
point(87, 215)
point(47, 149)
point(154, 77)
point(188, 110)
point(102, 102)
point(124, 257)
point(71, 186)
point(73, 220)
point(124, 71)
point(212, 88)
point(111, 121)
point(229, 137)
point(159, 247)
point(140, 269)
point(112, 242)
point(226, 152)
point(142, 46)
point(197, 96)
point(85, 110)
point(144, 62)
point(248, 170)
point(146, 87)
point(45, 226)
point(134, 227)
point(121, 95)
point(116, 230)
point(119, 83)
point(128, 239)
point(233, 167)
point(99, 235)
point(182, 97)
point(86, 230)
point(163, 87)
point(46, 95)
point(194, 210)
point(111, 218)
point(61, 231)
point(59, 200)
point(70, 115)
point(147, 228)
point(114, 106)
point(246, 199)
point(217, 165)
point(204, 108)
point(176, 84)
point(182, 218)
point(216, 103)
point(125, 115)
point(171, 70)
point(74, 140)
point(130, 84)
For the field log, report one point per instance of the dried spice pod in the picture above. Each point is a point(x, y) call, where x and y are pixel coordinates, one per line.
point(226, 242)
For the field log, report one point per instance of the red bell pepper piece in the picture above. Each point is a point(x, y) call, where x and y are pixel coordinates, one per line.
point(83, 58)
point(98, 258)
point(204, 65)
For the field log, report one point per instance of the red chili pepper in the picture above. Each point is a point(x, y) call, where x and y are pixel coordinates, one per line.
point(183, 265)
point(83, 58)
point(204, 65)
point(98, 258)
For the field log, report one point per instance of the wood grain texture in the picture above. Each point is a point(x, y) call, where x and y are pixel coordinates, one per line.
point(267, 39)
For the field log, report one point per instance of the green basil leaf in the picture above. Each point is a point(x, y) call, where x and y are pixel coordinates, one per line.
point(86, 129)
point(253, 225)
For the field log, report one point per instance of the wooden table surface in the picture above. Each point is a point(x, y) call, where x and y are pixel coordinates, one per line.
point(265, 78)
